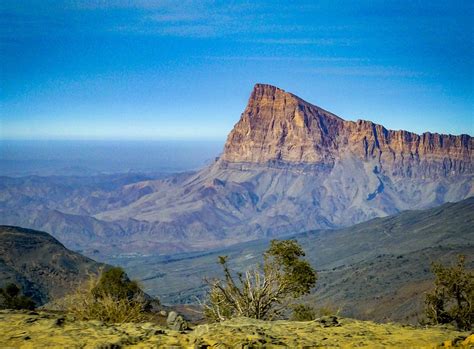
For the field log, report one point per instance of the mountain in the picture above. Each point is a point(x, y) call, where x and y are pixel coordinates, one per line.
point(278, 126)
point(40, 264)
point(287, 167)
point(376, 270)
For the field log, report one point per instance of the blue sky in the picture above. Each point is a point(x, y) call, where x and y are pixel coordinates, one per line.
point(184, 69)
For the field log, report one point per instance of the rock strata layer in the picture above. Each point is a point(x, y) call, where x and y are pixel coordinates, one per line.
point(278, 126)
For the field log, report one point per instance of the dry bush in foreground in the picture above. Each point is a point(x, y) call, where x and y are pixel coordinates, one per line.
point(265, 291)
point(111, 298)
point(328, 310)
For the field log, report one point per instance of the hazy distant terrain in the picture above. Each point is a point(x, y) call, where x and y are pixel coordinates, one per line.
point(64, 205)
point(57, 186)
point(80, 158)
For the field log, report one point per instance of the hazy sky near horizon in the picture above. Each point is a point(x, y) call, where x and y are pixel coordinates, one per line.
point(142, 69)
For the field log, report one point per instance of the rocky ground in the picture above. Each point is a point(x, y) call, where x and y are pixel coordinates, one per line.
point(42, 329)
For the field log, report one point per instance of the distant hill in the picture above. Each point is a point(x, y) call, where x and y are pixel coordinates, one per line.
point(375, 270)
point(64, 206)
point(40, 264)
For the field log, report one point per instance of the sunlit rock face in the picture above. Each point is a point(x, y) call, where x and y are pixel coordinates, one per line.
point(277, 126)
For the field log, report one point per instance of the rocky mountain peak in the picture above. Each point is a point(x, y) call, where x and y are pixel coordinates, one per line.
point(260, 90)
point(277, 126)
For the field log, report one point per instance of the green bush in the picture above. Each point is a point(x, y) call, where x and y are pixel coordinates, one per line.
point(112, 298)
point(11, 298)
point(264, 292)
point(452, 299)
point(302, 312)
point(115, 283)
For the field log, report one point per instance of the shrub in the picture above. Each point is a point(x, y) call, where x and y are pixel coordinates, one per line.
point(302, 312)
point(111, 298)
point(328, 310)
point(115, 283)
point(265, 291)
point(11, 298)
point(452, 299)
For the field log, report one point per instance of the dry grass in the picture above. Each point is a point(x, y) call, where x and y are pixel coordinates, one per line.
point(84, 305)
point(40, 330)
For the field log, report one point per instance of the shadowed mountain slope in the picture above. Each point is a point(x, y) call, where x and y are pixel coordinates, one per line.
point(40, 264)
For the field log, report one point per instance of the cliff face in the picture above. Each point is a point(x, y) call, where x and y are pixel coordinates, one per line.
point(278, 126)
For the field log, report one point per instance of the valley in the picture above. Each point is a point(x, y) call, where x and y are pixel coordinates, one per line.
point(377, 270)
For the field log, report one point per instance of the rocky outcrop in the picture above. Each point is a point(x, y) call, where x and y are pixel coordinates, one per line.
point(176, 322)
point(278, 126)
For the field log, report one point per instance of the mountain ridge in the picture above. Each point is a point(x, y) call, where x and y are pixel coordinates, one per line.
point(44, 268)
point(279, 126)
point(255, 189)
